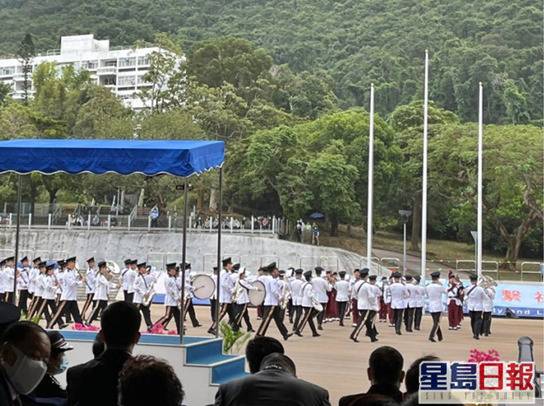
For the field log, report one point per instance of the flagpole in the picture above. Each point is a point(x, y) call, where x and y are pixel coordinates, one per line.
point(480, 175)
point(424, 185)
point(370, 179)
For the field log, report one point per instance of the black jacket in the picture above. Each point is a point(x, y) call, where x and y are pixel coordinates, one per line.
point(271, 388)
point(95, 382)
point(6, 392)
point(389, 391)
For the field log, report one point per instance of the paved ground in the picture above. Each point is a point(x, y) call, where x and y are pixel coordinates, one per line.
point(338, 364)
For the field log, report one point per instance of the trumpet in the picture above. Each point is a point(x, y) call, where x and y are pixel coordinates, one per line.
point(148, 297)
point(487, 282)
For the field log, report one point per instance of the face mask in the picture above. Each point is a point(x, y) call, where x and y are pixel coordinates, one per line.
point(26, 373)
point(63, 366)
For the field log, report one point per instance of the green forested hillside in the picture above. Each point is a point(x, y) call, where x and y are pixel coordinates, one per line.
point(354, 42)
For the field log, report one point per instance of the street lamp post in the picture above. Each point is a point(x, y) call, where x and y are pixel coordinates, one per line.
point(404, 217)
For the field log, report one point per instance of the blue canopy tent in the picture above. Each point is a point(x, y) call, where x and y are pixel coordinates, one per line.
point(154, 157)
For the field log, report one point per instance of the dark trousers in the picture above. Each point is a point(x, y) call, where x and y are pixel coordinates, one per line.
point(290, 310)
point(67, 307)
point(226, 308)
point(409, 318)
point(48, 308)
point(308, 318)
point(23, 299)
point(88, 301)
point(190, 310)
point(436, 326)
point(486, 323)
point(242, 313)
point(213, 304)
point(418, 313)
point(342, 311)
point(397, 319)
point(171, 312)
point(98, 309)
point(297, 310)
point(354, 311)
point(129, 297)
point(269, 313)
point(361, 319)
point(321, 315)
point(476, 322)
point(147, 315)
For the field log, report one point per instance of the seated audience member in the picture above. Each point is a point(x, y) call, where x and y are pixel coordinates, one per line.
point(385, 374)
point(98, 346)
point(24, 352)
point(95, 382)
point(260, 347)
point(49, 387)
point(143, 372)
point(275, 384)
point(411, 380)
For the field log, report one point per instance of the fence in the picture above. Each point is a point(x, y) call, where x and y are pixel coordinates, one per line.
point(132, 221)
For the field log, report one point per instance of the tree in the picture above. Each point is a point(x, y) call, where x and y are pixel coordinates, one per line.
point(25, 54)
point(5, 91)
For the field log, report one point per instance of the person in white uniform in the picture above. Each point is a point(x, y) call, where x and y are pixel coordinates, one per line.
point(102, 287)
point(342, 295)
point(437, 294)
point(410, 304)
point(90, 277)
point(475, 304)
point(309, 302)
point(399, 294)
point(143, 287)
point(128, 277)
point(172, 296)
point(23, 279)
point(487, 310)
point(321, 287)
point(419, 293)
point(68, 298)
point(242, 288)
point(46, 287)
point(296, 297)
point(365, 298)
point(9, 279)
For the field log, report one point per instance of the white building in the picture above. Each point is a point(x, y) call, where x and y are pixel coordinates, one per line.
point(121, 70)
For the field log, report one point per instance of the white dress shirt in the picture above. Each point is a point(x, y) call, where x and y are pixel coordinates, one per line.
point(419, 292)
point(48, 287)
point(435, 292)
point(475, 298)
point(70, 281)
point(411, 301)
point(102, 287)
point(142, 285)
point(32, 275)
point(226, 287)
point(375, 305)
point(365, 297)
point(9, 276)
point(321, 287)
point(23, 279)
point(128, 277)
point(452, 294)
point(273, 291)
point(296, 291)
point(90, 277)
point(307, 294)
point(399, 294)
point(172, 291)
point(488, 299)
point(245, 287)
point(342, 291)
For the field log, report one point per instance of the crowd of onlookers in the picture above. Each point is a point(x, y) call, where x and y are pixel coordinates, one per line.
point(31, 358)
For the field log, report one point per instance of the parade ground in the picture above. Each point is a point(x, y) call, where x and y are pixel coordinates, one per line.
point(339, 365)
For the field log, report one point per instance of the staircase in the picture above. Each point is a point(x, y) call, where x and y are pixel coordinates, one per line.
point(199, 362)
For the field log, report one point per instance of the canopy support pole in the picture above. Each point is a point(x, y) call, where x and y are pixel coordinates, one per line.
point(219, 262)
point(18, 226)
point(183, 261)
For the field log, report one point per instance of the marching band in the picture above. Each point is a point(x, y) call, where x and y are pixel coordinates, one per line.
point(49, 289)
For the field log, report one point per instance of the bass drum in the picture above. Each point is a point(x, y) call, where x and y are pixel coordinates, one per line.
point(203, 286)
point(256, 296)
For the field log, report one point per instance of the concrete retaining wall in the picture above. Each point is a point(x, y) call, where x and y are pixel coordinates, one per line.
point(160, 247)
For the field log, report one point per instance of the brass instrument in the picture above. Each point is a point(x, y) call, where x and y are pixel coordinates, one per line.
point(238, 290)
point(487, 282)
point(148, 297)
point(285, 296)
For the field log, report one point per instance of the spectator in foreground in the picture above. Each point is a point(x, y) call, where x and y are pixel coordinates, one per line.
point(385, 373)
point(95, 382)
point(24, 352)
point(275, 384)
point(258, 348)
point(49, 387)
point(143, 372)
point(411, 381)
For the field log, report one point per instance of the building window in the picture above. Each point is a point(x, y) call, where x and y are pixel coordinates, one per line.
point(89, 65)
point(124, 81)
point(126, 62)
point(8, 70)
point(143, 60)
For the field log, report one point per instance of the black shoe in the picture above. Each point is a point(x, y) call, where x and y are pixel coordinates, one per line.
point(476, 337)
point(341, 324)
point(287, 336)
point(432, 340)
point(63, 326)
point(298, 333)
point(211, 331)
point(197, 325)
point(319, 328)
point(416, 328)
point(250, 330)
point(409, 331)
point(440, 338)
point(398, 333)
point(373, 339)
point(354, 339)
point(316, 335)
